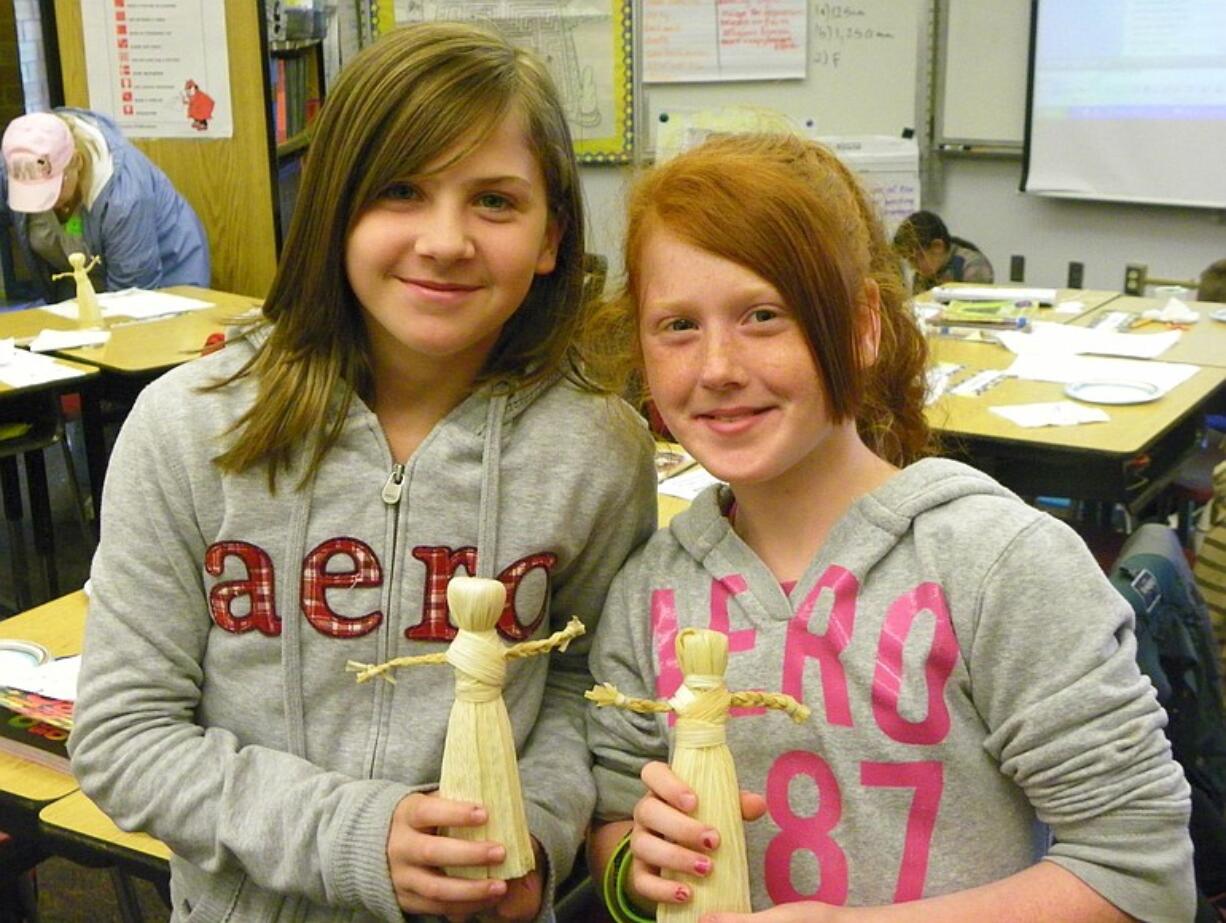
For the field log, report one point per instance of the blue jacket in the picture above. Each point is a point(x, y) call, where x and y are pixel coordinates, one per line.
point(145, 232)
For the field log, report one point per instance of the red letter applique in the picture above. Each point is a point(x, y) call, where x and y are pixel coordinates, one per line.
point(317, 580)
point(257, 587)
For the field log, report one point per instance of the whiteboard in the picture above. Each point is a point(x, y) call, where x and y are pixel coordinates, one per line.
point(982, 59)
point(863, 70)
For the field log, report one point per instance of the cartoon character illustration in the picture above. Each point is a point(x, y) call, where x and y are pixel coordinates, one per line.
point(199, 105)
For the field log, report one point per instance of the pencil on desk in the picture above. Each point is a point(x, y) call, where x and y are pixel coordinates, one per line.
point(1138, 322)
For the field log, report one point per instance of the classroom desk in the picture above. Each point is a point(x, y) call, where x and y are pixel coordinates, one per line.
point(25, 788)
point(37, 801)
point(1203, 343)
point(136, 353)
point(139, 347)
point(147, 348)
point(76, 828)
point(1099, 461)
point(667, 507)
point(1090, 299)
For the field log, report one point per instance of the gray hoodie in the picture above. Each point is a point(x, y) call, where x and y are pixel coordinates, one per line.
point(976, 700)
point(215, 711)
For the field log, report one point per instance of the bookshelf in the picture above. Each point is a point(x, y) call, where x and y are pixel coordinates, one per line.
point(295, 93)
point(295, 75)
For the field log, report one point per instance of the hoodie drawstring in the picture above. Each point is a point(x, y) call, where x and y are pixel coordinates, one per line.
point(491, 463)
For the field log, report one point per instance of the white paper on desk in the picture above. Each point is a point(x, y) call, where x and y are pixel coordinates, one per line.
point(1051, 413)
point(979, 383)
point(1052, 339)
point(51, 340)
point(1070, 307)
point(1173, 312)
point(1112, 320)
point(27, 368)
point(689, 484)
point(992, 293)
point(56, 679)
point(1067, 369)
point(938, 379)
point(136, 303)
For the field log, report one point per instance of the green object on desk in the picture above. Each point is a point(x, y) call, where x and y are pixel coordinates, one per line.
point(1005, 315)
point(14, 430)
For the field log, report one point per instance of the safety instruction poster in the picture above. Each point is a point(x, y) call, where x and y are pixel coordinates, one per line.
point(159, 68)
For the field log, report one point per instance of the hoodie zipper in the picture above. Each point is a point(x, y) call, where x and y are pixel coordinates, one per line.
point(393, 485)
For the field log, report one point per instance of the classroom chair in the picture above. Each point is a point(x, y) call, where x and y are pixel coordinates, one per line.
point(30, 424)
point(18, 885)
point(1076, 273)
point(1177, 651)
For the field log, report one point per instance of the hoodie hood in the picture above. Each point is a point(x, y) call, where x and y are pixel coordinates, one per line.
point(871, 527)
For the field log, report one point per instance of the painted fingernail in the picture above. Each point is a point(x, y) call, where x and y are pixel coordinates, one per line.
point(498, 888)
point(682, 895)
point(479, 815)
point(710, 840)
point(702, 866)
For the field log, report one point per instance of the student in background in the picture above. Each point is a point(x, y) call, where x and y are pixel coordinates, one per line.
point(75, 185)
point(924, 242)
point(971, 671)
point(1213, 282)
point(299, 499)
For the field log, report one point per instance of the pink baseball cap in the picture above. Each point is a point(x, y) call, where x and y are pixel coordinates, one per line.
point(37, 149)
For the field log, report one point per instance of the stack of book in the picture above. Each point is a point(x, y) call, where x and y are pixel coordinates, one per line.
point(36, 699)
point(999, 315)
point(35, 727)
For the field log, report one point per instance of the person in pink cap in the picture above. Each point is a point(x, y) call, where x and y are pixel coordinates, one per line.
point(73, 184)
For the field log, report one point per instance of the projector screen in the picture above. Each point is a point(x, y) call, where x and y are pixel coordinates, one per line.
point(1127, 101)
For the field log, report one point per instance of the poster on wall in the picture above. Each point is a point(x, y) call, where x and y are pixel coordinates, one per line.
point(160, 70)
point(587, 46)
point(687, 41)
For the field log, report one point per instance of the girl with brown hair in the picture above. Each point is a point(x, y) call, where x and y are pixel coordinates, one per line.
point(408, 410)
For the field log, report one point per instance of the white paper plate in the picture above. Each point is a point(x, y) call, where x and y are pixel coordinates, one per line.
point(18, 654)
point(1219, 314)
point(1113, 392)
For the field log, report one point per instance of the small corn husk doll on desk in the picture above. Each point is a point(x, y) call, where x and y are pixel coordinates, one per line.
point(89, 312)
point(479, 760)
point(701, 759)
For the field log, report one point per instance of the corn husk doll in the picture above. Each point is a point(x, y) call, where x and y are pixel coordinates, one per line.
point(89, 312)
point(479, 760)
point(701, 759)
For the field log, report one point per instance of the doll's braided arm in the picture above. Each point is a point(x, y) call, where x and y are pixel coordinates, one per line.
point(559, 640)
point(797, 711)
point(367, 671)
point(607, 694)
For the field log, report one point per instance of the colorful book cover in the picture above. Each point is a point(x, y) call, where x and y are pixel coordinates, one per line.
point(30, 738)
point(56, 712)
point(986, 313)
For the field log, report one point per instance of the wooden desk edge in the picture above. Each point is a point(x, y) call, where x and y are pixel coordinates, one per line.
point(78, 819)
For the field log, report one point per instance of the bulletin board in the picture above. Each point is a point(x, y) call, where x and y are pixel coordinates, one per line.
point(866, 66)
point(587, 46)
